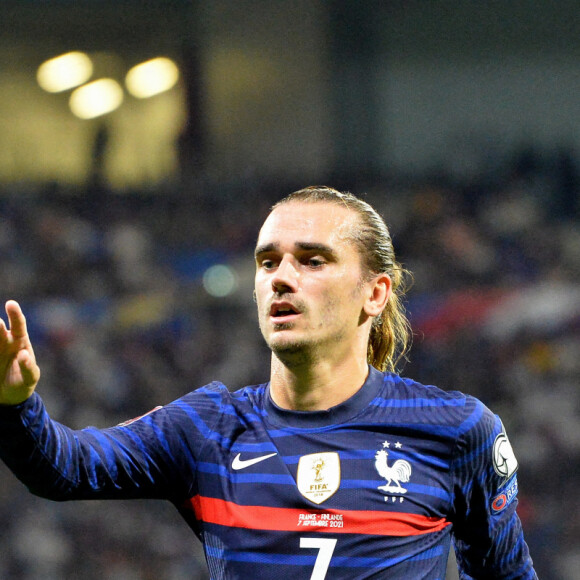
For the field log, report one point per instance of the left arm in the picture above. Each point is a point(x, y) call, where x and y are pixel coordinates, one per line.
point(488, 536)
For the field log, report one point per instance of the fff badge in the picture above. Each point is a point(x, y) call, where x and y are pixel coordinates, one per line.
point(318, 476)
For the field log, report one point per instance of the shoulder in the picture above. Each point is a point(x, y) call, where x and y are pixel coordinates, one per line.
point(413, 388)
point(204, 408)
point(454, 414)
point(217, 395)
point(478, 433)
point(457, 406)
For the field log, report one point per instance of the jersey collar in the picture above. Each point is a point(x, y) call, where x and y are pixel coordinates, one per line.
point(335, 415)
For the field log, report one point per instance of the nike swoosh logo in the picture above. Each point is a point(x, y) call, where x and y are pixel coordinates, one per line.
point(238, 463)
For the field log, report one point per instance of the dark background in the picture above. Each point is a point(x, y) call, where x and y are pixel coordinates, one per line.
point(459, 121)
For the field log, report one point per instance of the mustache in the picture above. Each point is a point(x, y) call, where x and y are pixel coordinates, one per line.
point(297, 305)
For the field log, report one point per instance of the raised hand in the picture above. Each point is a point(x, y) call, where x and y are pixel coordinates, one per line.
point(19, 372)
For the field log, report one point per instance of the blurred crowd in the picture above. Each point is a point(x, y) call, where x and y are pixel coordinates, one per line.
point(113, 288)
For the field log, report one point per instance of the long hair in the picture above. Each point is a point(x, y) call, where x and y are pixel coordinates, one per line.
point(390, 336)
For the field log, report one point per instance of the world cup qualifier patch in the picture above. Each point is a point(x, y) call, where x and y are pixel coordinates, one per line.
point(505, 463)
point(505, 496)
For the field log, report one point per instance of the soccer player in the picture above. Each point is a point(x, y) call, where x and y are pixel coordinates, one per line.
point(337, 467)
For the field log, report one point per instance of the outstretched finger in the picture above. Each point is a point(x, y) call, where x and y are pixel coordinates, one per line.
point(16, 319)
point(3, 332)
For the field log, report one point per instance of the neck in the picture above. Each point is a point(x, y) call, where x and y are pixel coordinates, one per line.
point(315, 386)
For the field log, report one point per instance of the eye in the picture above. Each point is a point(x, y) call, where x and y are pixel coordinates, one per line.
point(268, 264)
point(315, 262)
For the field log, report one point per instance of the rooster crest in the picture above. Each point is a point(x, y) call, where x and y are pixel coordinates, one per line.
point(399, 472)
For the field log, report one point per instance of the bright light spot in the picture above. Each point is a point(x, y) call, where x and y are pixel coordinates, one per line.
point(64, 72)
point(219, 280)
point(96, 99)
point(152, 77)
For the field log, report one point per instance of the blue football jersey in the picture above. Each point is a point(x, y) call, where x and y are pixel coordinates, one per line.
point(375, 487)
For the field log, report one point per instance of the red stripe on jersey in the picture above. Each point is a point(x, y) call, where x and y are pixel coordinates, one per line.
point(382, 523)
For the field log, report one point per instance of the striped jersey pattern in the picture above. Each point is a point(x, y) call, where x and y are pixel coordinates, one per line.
point(376, 487)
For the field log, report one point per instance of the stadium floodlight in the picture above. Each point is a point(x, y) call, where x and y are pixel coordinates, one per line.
point(64, 72)
point(152, 77)
point(97, 98)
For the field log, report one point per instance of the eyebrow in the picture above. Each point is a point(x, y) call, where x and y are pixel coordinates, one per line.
point(305, 246)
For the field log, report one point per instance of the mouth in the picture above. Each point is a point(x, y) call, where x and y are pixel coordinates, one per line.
point(283, 312)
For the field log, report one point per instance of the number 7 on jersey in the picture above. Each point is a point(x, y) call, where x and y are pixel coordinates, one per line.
point(325, 547)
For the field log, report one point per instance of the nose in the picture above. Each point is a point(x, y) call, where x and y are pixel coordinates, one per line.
point(285, 278)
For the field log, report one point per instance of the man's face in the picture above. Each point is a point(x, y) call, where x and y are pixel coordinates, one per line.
point(308, 280)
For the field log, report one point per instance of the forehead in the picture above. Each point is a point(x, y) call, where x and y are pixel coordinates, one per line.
point(295, 221)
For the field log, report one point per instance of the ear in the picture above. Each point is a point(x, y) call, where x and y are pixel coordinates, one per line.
point(379, 292)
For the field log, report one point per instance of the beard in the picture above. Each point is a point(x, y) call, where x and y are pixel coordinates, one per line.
point(304, 348)
point(294, 353)
point(290, 350)
point(316, 331)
